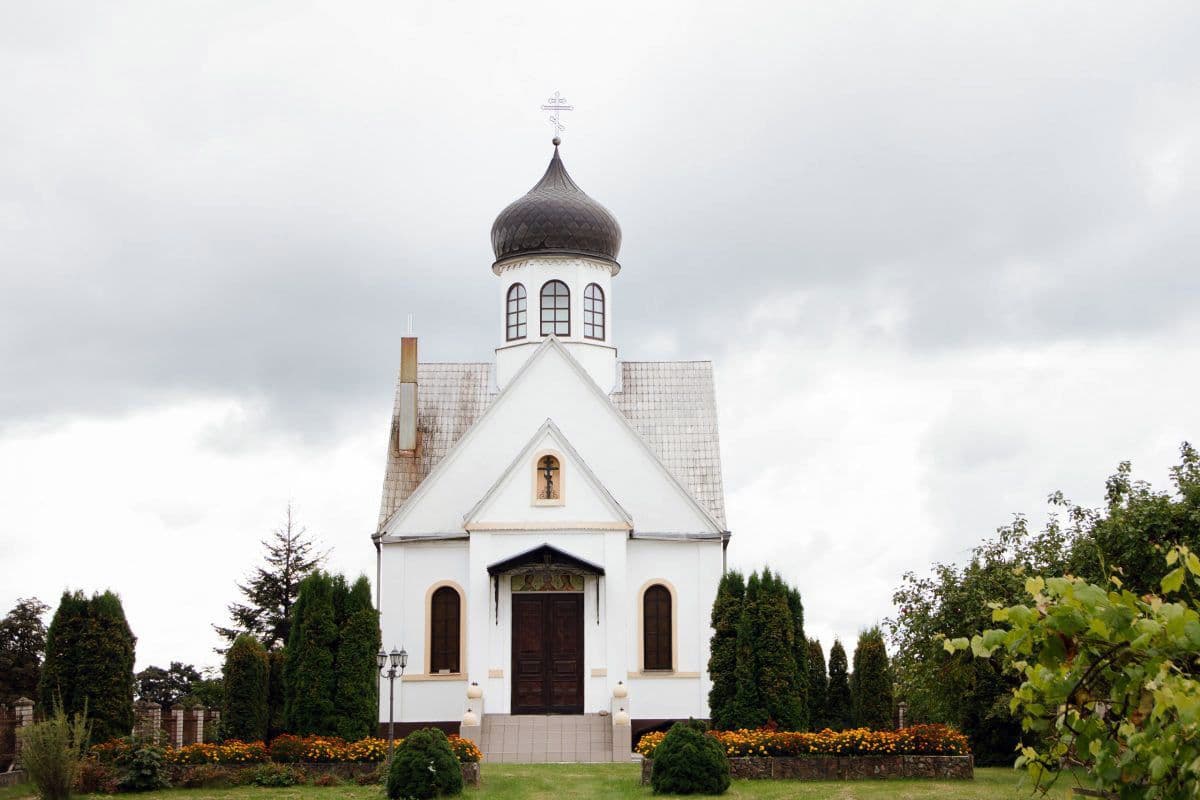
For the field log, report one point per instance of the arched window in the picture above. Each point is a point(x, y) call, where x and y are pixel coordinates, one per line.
point(444, 631)
point(656, 628)
point(515, 318)
point(593, 312)
point(556, 309)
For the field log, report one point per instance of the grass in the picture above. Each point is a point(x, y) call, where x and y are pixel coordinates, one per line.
point(558, 781)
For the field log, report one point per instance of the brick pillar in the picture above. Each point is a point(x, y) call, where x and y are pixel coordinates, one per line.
point(24, 713)
point(147, 719)
point(176, 732)
point(199, 723)
point(214, 716)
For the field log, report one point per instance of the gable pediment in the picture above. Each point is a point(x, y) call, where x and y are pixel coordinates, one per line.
point(513, 502)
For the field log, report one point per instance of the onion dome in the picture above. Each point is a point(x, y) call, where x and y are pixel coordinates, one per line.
point(556, 217)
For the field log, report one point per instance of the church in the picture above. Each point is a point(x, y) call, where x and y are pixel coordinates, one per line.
point(552, 528)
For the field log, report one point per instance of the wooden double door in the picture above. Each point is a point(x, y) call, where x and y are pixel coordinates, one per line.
point(547, 653)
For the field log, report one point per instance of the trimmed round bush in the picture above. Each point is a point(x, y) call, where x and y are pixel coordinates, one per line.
point(424, 766)
point(689, 761)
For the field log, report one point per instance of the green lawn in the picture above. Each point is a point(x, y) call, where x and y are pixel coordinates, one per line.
point(559, 781)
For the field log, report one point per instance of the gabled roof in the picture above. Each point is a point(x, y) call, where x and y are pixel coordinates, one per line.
point(550, 431)
point(670, 404)
point(546, 555)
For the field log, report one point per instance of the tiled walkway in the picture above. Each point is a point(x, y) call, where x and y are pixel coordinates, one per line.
point(529, 739)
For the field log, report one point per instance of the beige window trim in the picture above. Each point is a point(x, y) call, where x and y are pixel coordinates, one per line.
point(462, 634)
point(641, 622)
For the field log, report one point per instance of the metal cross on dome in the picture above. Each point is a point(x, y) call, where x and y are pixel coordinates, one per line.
point(556, 105)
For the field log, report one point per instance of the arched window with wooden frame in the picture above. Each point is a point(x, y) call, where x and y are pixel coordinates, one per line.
point(593, 312)
point(556, 309)
point(657, 629)
point(514, 327)
point(445, 631)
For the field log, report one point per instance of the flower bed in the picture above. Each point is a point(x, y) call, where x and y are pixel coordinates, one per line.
point(927, 740)
point(284, 749)
point(919, 751)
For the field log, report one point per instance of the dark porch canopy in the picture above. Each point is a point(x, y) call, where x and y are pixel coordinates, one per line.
point(547, 557)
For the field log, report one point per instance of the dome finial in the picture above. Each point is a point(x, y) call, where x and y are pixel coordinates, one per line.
point(556, 141)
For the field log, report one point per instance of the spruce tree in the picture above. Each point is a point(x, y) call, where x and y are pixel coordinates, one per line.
point(309, 673)
point(818, 685)
point(775, 673)
point(89, 663)
point(244, 712)
point(271, 591)
point(722, 659)
point(747, 710)
point(838, 712)
point(800, 655)
point(356, 693)
point(872, 684)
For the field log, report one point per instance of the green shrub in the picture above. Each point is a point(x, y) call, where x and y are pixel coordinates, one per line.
point(689, 761)
point(206, 776)
point(52, 753)
point(142, 767)
point(424, 766)
point(277, 775)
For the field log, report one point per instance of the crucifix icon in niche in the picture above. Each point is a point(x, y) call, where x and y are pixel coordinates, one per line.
point(549, 482)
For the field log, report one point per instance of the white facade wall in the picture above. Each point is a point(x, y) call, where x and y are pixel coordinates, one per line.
point(612, 629)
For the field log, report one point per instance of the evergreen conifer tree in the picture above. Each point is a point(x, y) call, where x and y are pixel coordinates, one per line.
point(244, 712)
point(800, 654)
point(775, 673)
point(276, 723)
point(747, 710)
point(89, 663)
point(838, 712)
point(722, 659)
point(271, 591)
point(309, 670)
point(356, 692)
point(818, 685)
point(872, 685)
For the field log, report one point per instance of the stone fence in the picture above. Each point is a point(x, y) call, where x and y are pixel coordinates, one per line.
point(844, 768)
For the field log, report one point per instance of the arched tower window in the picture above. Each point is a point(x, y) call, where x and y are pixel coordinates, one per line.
point(515, 313)
point(444, 631)
point(656, 628)
point(593, 312)
point(556, 309)
point(549, 479)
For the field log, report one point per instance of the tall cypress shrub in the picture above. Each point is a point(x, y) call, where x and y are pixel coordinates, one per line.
point(310, 678)
point(818, 685)
point(838, 712)
point(722, 658)
point(245, 713)
point(89, 663)
point(776, 675)
point(747, 710)
point(800, 655)
point(356, 695)
point(871, 695)
point(276, 723)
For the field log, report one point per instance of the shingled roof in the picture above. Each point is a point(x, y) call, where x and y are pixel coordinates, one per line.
point(671, 404)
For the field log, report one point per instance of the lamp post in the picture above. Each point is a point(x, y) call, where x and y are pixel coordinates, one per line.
point(391, 661)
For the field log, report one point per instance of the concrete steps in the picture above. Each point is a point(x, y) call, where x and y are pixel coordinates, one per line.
point(541, 739)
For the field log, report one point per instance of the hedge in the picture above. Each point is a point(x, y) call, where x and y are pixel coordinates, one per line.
point(919, 740)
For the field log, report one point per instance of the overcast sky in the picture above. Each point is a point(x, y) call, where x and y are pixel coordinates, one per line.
point(944, 257)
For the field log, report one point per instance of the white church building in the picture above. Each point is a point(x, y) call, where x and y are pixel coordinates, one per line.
point(552, 529)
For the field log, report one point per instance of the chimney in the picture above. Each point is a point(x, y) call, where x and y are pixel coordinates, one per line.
point(406, 424)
